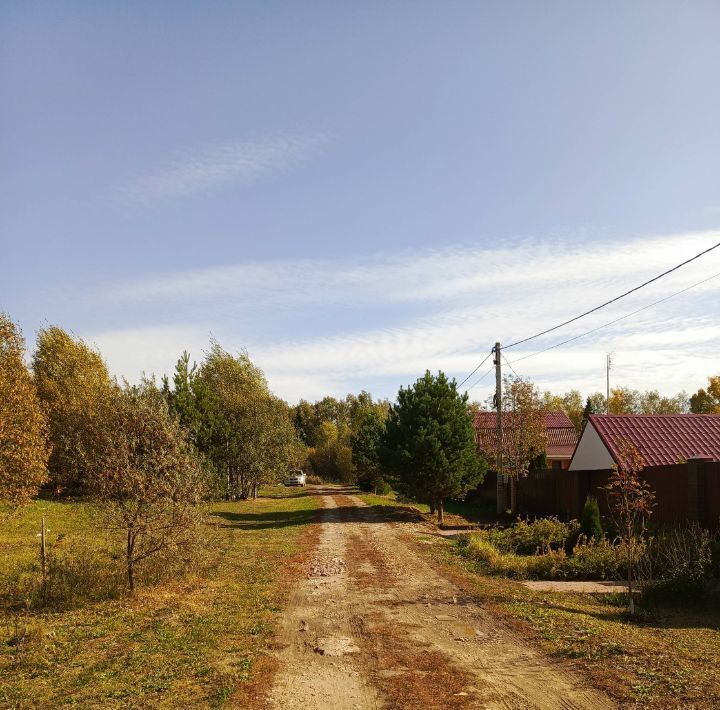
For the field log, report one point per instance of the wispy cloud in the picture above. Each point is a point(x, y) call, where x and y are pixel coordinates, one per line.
point(212, 166)
point(450, 306)
point(451, 276)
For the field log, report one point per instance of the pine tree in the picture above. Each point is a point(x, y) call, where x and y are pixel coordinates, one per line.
point(366, 444)
point(430, 442)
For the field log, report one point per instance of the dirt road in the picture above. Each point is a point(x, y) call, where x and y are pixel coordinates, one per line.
point(375, 625)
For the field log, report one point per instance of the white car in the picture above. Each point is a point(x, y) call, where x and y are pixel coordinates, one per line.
point(296, 478)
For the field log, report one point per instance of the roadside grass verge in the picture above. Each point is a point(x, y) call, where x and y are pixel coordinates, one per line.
point(664, 658)
point(195, 641)
point(457, 513)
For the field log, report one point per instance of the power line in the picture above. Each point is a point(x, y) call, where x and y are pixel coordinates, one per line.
point(480, 379)
point(509, 364)
point(613, 300)
point(475, 370)
point(612, 322)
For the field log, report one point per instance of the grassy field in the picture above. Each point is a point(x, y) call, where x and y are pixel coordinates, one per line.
point(190, 642)
point(666, 658)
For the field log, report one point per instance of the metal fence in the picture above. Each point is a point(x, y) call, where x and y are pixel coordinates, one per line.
point(683, 492)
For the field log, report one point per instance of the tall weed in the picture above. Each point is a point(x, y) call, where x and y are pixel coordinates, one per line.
point(678, 562)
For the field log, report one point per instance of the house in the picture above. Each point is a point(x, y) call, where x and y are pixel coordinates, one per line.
point(661, 439)
point(681, 453)
point(561, 436)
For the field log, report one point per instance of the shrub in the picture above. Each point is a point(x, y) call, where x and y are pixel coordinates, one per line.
point(530, 537)
point(83, 573)
point(383, 488)
point(75, 574)
point(715, 555)
point(547, 566)
point(677, 563)
point(590, 525)
point(591, 559)
point(595, 558)
point(479, 549)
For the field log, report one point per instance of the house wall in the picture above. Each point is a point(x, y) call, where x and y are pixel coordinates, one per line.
point(563, 464)
point(591, 454)
point(548, 492)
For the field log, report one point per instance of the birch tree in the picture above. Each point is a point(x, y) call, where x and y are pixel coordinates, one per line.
point(24, 447)
point(255, 442)
point(72, 379)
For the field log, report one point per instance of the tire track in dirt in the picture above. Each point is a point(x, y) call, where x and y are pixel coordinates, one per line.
point(470, 642)
point(315, 644)
point(374, 625)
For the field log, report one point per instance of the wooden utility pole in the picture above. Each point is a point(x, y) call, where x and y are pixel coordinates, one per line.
point(43, 554)
point(501, 489)
point(608, 364)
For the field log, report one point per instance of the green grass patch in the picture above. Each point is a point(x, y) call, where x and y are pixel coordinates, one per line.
point(187, 642)
point(456, 512)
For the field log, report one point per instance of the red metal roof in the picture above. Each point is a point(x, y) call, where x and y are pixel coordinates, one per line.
point(561, 435)
point(557, 420)
point(662, 439)
point(553, 420)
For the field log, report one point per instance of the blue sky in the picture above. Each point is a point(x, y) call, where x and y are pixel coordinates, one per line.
point(358, 191)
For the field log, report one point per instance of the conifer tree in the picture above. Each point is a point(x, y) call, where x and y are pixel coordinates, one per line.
point(366, 444)
point(430, 442)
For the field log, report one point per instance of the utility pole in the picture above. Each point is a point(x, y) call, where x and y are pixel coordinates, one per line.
point(501, 489)
point(608, 365)
point(43, 555)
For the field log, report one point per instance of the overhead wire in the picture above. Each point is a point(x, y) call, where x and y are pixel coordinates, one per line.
point(613, 300)
point(476, 369)
point(612, 322)
point(481, 378)
point(509, 364)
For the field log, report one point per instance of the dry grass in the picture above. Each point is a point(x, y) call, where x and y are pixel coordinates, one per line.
point(410, 674)
point(666, 658)
point(192, 642)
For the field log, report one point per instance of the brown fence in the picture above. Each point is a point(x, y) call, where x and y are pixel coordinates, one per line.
point(712, 494)
point(549, 492)
point(683, 492)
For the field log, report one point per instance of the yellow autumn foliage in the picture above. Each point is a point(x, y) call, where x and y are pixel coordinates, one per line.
point(24, 447)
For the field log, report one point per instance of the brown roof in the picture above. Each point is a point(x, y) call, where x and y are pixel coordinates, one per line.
point(662, 439)
point(560, 431)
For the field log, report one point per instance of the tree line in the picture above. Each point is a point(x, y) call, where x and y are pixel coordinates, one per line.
point(625, 400)
point(151, 452)
point(148, 453)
